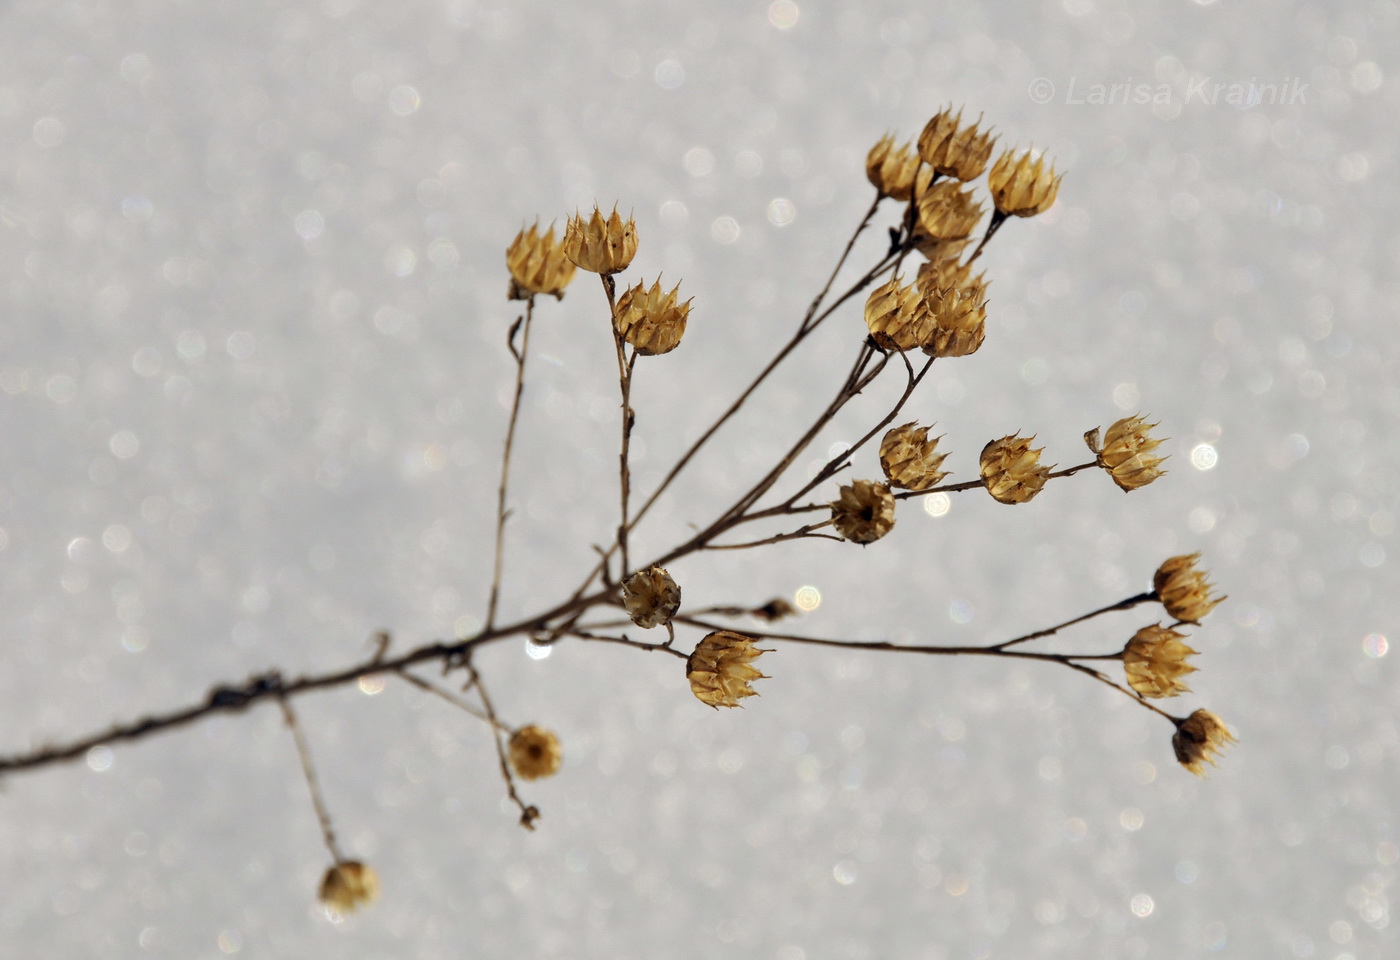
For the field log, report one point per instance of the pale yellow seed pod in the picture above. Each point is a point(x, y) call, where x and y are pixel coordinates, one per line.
point(537, 265)
point(948, 212)
point(1199, 739)
point(1126, 452)
point(535, 752)
point(348, 885)
point(939, 250)
point(910, 459)
point(650, 319)
point(954, 150)
point(959, 319)
point(865, 511)
point(891, 168)
point(601, 245)
point(650, 597)
point(1183, 589)
point(1011, 469)
point(1023, 186)
point(720, 669)
point(1155, 662)
point(940, 273)
point(895, 315)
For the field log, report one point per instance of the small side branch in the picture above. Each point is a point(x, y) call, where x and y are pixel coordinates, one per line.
point(312, 784)
point(528, 812)
point(523, 326)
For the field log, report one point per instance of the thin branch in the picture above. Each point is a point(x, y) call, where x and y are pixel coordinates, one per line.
point(444, 694)
point(624, 640)
point(528, 812)
point(625, 367)
point(523, 325)
point(309, 771)
point(801, 533)
point(1126, 604)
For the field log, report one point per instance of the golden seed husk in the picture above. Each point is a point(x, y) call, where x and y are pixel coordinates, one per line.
point(1023, 186)
point(537, 264)
point(1155, 662)
point(1183, 589)
point(910, 459)
point(650, 319)
point(896, 316)
point(721, 668)
point(600, 245)
point(1126, 452)
point(954, 150)
point(535, 752)
point(865, 512)
point(940, 273)
point(348, 885)
point(1199, 739)
point(891, 168)
point(959, 317)
point(948, 212)
point(650, 597)
point(1011, 469)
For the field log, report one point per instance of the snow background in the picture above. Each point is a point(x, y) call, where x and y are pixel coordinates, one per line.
point(254, 375)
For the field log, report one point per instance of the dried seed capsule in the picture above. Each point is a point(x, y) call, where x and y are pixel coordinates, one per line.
point(1155, 662)
point(910, 459)
point(651, 320)
point(348, 885)
point(1183, 589)
point(1199, 739)
point(953, 149)
point(535, 753)
point(1011, 469)
point(721, 668)
point(940, 273)
point(1022, 186)
point(891, 168)
point(896, 316)
point(959, 320)
point(601, 245)
point(948, 212)
point(865, 512)
point(537, 265)
point(650, 597)
point(1125, 453)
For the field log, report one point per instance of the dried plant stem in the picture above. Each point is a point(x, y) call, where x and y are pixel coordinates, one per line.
point(588, 634)
point(528, 813)
point(625, 367)
point(523, 326)
point(1125, 604)
point(452, 698)
point(312, 784)
point(993, 225)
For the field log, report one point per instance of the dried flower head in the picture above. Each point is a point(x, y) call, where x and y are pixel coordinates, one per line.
point(1126, 452)
point(1155, 662)
point(910, 459)
point(535, 753)
point(1199, 739)
point(1023, 186)
point(865, 512)
point(651, 320)
point(959, 317)
point(896, 316)
point(1011, 469)
point(347, 885)
point(537, 264)
point(650, 597)
point(721, 668)
point(601, 245)
point(948, 212)
point(891, 168)
point(1183, 589)
point(940, 273)
point(953, 149)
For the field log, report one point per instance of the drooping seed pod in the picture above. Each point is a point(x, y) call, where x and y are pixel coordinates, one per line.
point(601, 245)
point(720, 669)
point(1199, 739)
point(959, 320)
point(865, 512)
point(1126, 452)
point(348, 885)
point(948, 212)
point(650, 319)
point(1183, 589)
point(537, 265)
point(535, 752)
point(891, 168)
point(1155, 662)
point(1023, 186)
point(955, 150)
point(896, 316)
point(910, 459)
point(650, 597)
point(1011, 469)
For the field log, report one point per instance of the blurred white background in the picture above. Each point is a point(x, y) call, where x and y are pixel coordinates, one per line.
point(253, 380)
